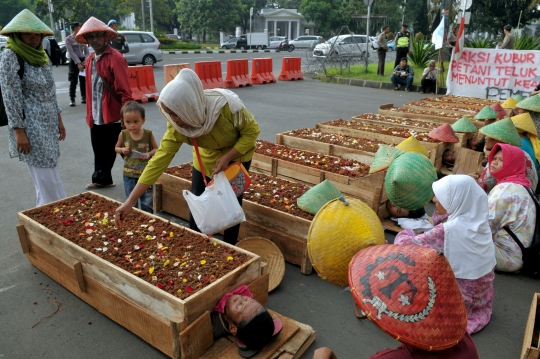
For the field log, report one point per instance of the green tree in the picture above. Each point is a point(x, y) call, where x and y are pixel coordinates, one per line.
point(81, 10)
point(328, 15)
point(390, 8)
point(289, 4)
point(164, 14)
point(245, 5)
point(492, 15)
point(10, 8)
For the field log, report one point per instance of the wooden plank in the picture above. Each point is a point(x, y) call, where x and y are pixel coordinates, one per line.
point(305, 346)
point(119, 309)
point(197, 337)
point(280, 221)
point(157, 197)
point(459, 111)
point(391, 124)
point(386, 111)
point(22, 238)
point(175, 203)
point(264, 268)
point(296, 342)
point(468, 160)
point(77, 268)
point(528, 347)
point(305, 266)
point(217, 348)
point(176, 328)
point(259, 288)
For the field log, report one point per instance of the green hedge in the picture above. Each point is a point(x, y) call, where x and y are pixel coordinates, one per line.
point(180, 46)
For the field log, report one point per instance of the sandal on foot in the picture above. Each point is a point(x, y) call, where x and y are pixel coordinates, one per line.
point(97, 185)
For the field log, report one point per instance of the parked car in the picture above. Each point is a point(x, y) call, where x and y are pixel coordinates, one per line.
point(229, 44)
point(3, 42)
point(173, 36)
point(305, 41)
point(65, 55)
point(343, 45)
point(391, 45)
point(144, 48)
point(275, 41)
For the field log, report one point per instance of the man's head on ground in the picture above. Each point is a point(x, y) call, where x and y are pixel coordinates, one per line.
point(507, 29)
point(386, 29)
point(404, 27)
point(476, 144)
point(113, 25)
point(449, 157)
point(396, 212)
point(403, 62)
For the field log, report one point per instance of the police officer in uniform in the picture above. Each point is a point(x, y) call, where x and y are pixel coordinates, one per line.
point(403, 42)
point(78, 53)
point(119, 43)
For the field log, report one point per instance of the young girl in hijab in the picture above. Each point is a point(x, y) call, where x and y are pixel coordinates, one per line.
point(510, 205)
point(217, 119)
point(465, 239)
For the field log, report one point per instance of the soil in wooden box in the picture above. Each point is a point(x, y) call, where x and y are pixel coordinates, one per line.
point(311, 159)
point(397, 120)
point(391, 131)
point(171, 258)
point(449, 114)
point(265, 190)
point(358, 143)
point(477, 100)
point(442, 106)
point(471, 105)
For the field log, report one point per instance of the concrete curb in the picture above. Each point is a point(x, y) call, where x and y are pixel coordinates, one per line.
point(214, 51)
point(371, 84)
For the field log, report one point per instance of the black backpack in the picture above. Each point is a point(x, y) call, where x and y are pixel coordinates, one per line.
point(530, 255)
point(3, 114)
point(56, 53)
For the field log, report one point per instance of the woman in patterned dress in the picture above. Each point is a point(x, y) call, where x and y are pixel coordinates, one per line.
point(466, 241)
point(510, 205)
point(34, 120)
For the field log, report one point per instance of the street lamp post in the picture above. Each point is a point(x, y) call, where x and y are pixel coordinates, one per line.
point(143, 21)
point(151, 17)
point(51, 10)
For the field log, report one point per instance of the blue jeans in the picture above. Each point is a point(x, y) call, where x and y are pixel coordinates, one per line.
point(146, 200)
point(402, 81)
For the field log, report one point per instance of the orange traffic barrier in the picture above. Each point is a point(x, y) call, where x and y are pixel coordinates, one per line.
point(237, 73)
point(261, 71)
point(133, 83)
point(210, 74)
point(291, 69)
point(172, 70)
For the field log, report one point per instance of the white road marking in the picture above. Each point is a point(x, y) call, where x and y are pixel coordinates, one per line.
point(7, 288)
point(189, 58)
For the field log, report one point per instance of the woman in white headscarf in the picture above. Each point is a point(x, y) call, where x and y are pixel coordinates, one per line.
point(466, 241)
point(224, 129)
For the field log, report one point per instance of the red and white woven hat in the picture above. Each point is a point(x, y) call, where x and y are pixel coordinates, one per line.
point(499, 109)
point(411, 293)
point(444, 133)
point(95, 25)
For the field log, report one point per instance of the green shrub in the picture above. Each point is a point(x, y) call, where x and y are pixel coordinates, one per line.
point(526, 42)
point(180, 46)
point(422, 52)
point(167, 41)
point(480, 43)
point(419, 36)
point(390, 36)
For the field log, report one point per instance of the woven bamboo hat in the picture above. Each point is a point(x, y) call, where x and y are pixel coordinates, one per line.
point(411, 293)
point(95, 25)
point(531, 104)
point(411, 144)
point(270, 254)
point(499, 109)
point(509, 103)
point(504, 131)
point(464, 125)
point(384, 156)
point(518, 98)
point(26, 21)
point(524, 122)
point(487, 113)
point(317, 196)
point(408, 181)
point(444, 133)
point(337, 233)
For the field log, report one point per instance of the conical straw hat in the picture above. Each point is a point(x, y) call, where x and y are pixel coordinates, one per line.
point(444, 133)
point(532, 103)
point(408, 181)
point(95, 25)
point(464, 125)
point(504, 131)
point(317, 196)
point(524, 122)
point(518, 98)
point(411, 144)
point(26, 21)
point(499, 109)
point(487, 113)
point(270, 254)
point(411, 293)
point(384, 156)
point(509, 103)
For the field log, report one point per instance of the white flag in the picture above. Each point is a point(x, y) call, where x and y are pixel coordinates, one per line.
point(438, 36)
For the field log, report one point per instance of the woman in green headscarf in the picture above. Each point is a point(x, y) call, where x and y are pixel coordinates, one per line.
point(29, 94)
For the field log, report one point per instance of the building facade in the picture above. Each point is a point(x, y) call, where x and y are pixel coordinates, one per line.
point(283, 22)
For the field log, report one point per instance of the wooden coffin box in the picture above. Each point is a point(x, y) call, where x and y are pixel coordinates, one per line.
point(531, 340)
point(439, 108)
point(180, 328)
point(426, 125)
point(287, 231)
point(387, 111)
point(465, 104)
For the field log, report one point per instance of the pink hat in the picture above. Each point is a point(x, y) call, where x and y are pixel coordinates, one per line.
point(499, 109)
point(95, 25)
point(444, 133)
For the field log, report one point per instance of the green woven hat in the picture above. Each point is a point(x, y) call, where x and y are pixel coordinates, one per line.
point(487, 113)
point(531, 104)
point(518, 98)
point(464, 125)
point(384, 156)
point(408, 181)
point(504, 131)
point(26, 21)
point(316, 197)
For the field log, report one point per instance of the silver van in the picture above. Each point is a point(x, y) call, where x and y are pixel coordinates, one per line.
point(144, 48)
point(305, 41)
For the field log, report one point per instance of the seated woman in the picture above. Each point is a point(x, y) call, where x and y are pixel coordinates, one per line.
point(510, 205)
point(465, 239)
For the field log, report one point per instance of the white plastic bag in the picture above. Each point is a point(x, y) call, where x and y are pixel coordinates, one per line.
point(217, 208)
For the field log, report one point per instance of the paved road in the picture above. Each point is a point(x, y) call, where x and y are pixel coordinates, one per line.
point(79, 331)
